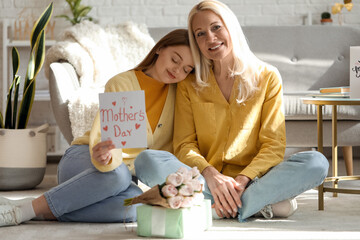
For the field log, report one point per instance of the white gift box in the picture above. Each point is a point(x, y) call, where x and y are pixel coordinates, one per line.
point(355, 72)
point(156, 221)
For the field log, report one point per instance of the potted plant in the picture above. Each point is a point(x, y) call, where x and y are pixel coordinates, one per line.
point(326, 18)
point(79, 12)
point(23, 151)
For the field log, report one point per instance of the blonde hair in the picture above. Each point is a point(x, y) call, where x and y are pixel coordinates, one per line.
point(246, 65)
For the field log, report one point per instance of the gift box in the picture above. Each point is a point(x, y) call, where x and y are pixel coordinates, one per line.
point(173, 223)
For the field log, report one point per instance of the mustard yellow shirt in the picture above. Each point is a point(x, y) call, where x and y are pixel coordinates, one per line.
point(155, 97)
point(235, 138)
point(160, 139)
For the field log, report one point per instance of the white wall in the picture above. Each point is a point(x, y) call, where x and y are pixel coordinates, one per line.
point(157, 13)
point(173, 13)
point(165, 13)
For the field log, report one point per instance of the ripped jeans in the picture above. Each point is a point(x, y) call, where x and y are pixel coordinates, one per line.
point(300, 172)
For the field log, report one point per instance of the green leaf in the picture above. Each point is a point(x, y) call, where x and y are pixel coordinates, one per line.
point(1, 121)
point(70, 2)
point(15, 61)
point(76, 5)
point(30, 70)
point(26, 105)
point(78, 11)
point(36, 60)
point(16, 97)
point(63, 16)
point(84, 11)
point(41, 23)
point(39, 53)
point(8, 113)
point(39, 26)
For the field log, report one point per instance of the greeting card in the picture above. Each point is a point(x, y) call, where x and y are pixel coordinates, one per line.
point(123, 118)
point(355, 72)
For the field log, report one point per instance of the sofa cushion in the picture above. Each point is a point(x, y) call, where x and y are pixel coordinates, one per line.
point(308, 58)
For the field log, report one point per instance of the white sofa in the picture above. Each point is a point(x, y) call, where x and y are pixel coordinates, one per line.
point(307, 57)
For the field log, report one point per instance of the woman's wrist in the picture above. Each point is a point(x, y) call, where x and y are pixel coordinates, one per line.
point(210, 170)
point(242, 179)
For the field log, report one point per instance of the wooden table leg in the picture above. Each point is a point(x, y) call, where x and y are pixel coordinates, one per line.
point(321, 197)
point(348, 158)
point(334, 147)
point(320, 149)
point(320, 128)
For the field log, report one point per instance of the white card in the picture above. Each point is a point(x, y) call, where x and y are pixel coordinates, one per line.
point(355, 72)
point(123, 118)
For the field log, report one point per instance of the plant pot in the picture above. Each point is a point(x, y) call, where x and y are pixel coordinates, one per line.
point(326, 21)
point(22, 157)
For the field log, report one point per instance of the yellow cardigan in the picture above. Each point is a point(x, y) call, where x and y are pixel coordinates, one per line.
point(161, 139)
point(235, 138)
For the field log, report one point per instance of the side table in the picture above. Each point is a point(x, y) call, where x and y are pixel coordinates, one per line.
point(334, 102)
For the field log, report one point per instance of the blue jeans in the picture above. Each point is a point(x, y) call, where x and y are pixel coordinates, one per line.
point(299, 173)
point(85, 194)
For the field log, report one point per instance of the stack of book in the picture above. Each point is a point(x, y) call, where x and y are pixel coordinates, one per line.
point(333, 92)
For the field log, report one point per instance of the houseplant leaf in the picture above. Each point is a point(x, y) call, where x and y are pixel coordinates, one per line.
point(64, 16)
point(75, 5)
point(79, 12)
point(1, 121)
point(8, 113)
point(15, 84)
point(15, 60)
point(29, 93)
point(83, 11)
point(36, 60)
point(26, 105)
point(39, 25)
point(9, 121)
point(16, 96)
point(39, 53)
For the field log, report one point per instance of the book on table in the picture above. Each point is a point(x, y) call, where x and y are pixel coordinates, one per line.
point(330, 95)
point(332, 92)
point(344, 89)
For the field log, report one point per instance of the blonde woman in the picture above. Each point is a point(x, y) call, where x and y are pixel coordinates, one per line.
point(229, 122)
point(94, 177)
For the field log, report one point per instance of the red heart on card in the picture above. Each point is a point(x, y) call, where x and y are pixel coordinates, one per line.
point(123, 143)
point(105, 128)
point(137, 125)
point(113, 103)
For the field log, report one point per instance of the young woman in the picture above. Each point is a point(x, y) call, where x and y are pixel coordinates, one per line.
point(94, 177)
point(229, 122)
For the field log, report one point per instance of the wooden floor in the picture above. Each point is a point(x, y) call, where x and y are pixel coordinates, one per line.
point(339, 220)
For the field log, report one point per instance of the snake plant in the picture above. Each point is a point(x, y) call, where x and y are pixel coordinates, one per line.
point(14, 119)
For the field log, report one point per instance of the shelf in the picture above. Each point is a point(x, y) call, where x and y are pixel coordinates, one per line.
point(26, 43)
point(40, 95)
